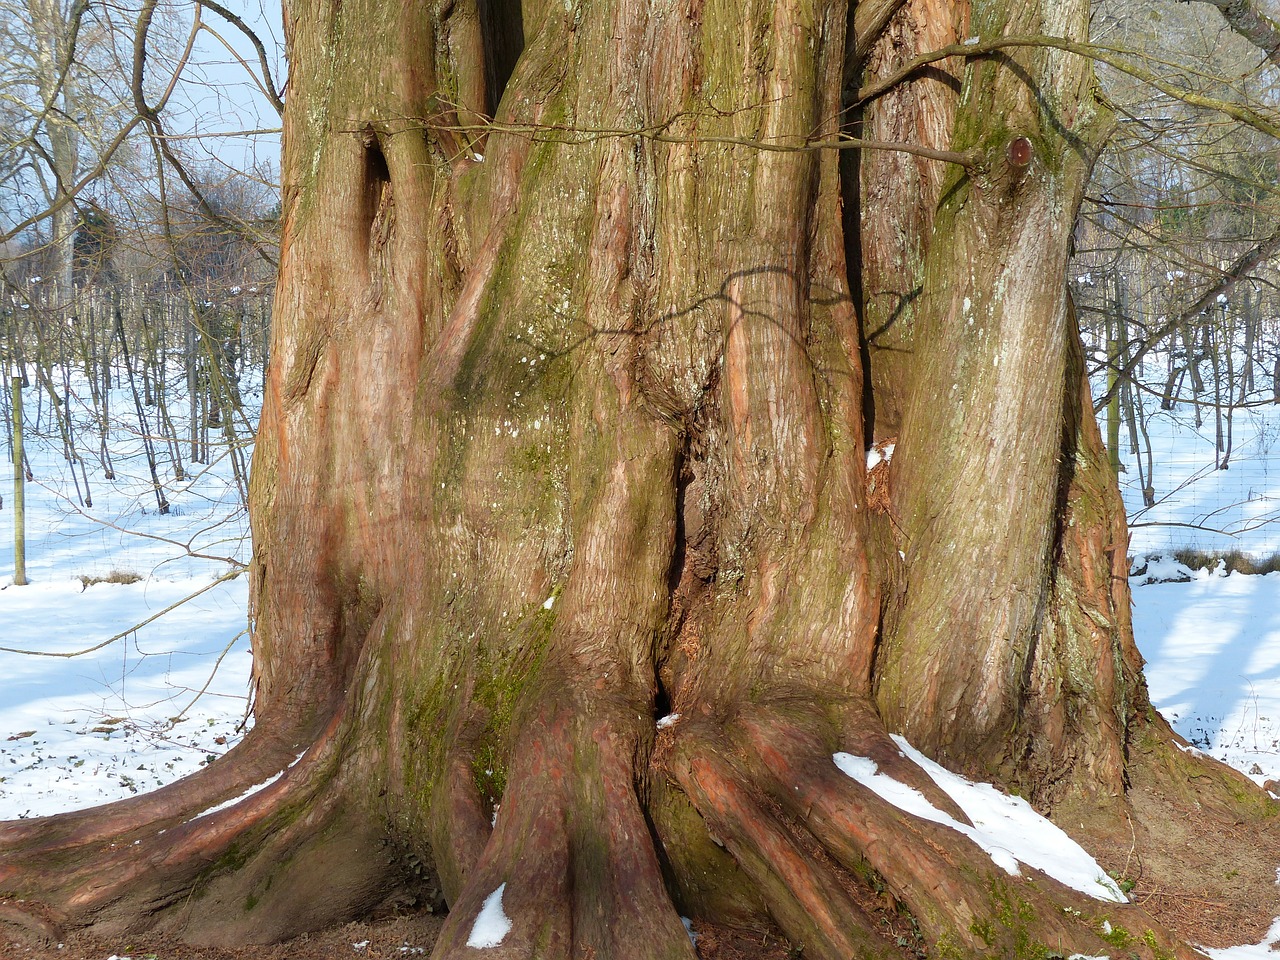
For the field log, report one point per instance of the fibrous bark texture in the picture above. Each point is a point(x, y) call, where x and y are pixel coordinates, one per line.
point(584, 330)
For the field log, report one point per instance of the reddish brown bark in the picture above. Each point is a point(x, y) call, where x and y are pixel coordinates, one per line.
point(566, 428)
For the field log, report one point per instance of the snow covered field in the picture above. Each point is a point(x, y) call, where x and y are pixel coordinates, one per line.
point(160, 699)
point(1196, 505)
point(163, 697)
point(1212, 642)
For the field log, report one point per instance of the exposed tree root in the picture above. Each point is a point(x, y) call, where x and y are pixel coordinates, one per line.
point(28, 921)
point(460, 829)
point(806, 898)
point(256, 758)
point(571, 851)
point(574, 854)
point(117, 868)
point(782, 785)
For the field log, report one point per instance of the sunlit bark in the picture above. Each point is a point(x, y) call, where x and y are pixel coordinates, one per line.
point(566, 429)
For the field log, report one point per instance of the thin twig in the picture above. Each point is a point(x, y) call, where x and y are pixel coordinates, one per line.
point(231, 575)
point(212, 673)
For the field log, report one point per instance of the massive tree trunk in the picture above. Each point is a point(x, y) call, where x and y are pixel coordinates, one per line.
point(583, 331)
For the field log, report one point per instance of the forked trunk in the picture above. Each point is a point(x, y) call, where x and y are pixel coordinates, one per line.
point(582, 335)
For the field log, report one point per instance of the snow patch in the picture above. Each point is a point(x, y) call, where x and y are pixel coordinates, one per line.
point(1161, 569)
point(1250, 951)
point(688, 928)
point(1213, 647)
point(234, 800)
point(251, 791)
point(880, 453)
point(492, 924)
point(128, 716)
point(1007, 828)
point(668, 721)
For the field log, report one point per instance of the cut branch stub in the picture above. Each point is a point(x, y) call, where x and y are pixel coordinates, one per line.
point(1019, 153)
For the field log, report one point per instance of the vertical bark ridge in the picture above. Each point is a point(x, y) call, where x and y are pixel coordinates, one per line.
point(544, 409)
point(900, 193)
point(992, 377)
point(333, 432)
point(1085, 688)
point(793, 596)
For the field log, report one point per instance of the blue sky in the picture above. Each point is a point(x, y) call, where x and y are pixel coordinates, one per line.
point(220, 95)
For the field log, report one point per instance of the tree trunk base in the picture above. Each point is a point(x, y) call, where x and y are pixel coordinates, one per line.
point(590, 862)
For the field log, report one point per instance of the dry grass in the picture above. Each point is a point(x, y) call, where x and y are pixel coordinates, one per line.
point(1237, 561)
point(115, 576)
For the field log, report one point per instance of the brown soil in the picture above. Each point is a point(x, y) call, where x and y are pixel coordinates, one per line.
point(1206, 874)
point(1215, 889)
point(397, 938)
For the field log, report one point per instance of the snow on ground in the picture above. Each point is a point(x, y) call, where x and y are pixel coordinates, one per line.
point(1197, 505)
point(163, 698)
point(1212, 647)
point(1212, 643)
point(1258, 951)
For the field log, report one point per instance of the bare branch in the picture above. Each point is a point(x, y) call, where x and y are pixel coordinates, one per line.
point(1118, 59)
point(268, 85)
point(1244, 17)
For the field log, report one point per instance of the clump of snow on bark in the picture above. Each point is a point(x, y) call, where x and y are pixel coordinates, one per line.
point(244, 796)
point(492, 924)
point(880, 453)
point(257, 788)
point(668, 721)
point(1007, 828)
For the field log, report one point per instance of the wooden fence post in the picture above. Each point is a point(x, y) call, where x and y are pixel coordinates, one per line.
point(19, 487)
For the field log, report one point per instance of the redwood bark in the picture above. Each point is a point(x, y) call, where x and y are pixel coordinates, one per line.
point(566, 429)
